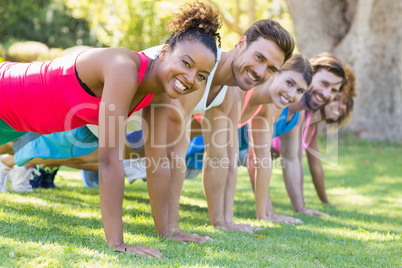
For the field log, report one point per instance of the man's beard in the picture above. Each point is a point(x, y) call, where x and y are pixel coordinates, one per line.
point(237, 73)
point(238, 77)
point(311, 104)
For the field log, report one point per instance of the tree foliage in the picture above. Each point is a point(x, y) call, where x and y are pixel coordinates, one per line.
point(135, 24)
point(141, 24)
point(45, 21)
point(125, 23)
point(239, 15)
point(367, 36)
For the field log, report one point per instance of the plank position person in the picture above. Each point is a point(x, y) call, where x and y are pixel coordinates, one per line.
point(104, 86)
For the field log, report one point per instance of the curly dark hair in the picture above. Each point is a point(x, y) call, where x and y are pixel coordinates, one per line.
point(195, 21)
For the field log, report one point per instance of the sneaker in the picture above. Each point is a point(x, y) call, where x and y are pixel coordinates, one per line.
point(135, 169)
point(20, 178)
point(44, 178)
point(34, 182)
point(48, 183)
point(90, 178)
point(4, 174)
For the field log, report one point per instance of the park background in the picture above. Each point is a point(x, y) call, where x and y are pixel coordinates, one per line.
point(63, 228)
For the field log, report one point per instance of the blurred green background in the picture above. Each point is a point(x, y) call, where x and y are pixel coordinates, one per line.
point(137, 25)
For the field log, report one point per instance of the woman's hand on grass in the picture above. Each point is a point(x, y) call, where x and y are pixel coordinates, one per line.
point(281, 219)
point(312, 212)
point(236, 227)
point(139, 250)
point(181, 236)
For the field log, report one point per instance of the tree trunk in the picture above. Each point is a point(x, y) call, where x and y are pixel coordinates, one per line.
point(251, 12)
point(366, 35)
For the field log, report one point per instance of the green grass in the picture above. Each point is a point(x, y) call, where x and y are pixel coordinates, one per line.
point(62, 227)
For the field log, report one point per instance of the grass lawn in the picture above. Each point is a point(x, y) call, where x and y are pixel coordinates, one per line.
point(62, 227)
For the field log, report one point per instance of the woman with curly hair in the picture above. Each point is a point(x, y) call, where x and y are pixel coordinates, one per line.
point(258, 54)
point(104, 86)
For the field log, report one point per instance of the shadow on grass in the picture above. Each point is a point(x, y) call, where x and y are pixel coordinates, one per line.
point(57, 219)
point(63, 196)
point(202, 212)
point(282, 241)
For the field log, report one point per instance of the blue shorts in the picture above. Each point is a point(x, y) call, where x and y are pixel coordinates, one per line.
point(63, 145)
point(195, 152)
point(59, 145)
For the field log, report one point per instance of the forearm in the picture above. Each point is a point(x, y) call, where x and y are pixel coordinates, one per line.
point(317, 175)
point(178, 137)
point(177, 170)
point(251, 168)
point(231, 181)
point(158, 165)
point(158, 182)
point(262, 199)
point(214, 181)
point(316, 170)
point(111, 192)
point(230, 191)
point(261, 161)
point(216, 162)
point(294, 182)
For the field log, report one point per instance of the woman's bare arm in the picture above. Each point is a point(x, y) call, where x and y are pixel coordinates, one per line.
point(117, 94)
point(316, 170)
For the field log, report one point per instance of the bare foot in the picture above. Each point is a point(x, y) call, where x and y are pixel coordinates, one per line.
point(139, 250)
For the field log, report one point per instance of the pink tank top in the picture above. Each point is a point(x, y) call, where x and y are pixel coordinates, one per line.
point(276, 142)
point(247, 98)
point(46, 97)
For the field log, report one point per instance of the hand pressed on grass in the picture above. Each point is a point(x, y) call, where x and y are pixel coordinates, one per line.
point(181, 236)
point(236, 227)
point(312, 212)
point(139, 250)
point(281, 219)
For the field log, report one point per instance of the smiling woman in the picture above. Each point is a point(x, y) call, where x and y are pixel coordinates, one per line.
point(104, 86)
point(260, 108)
point(328, 79)
point(182, 76)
